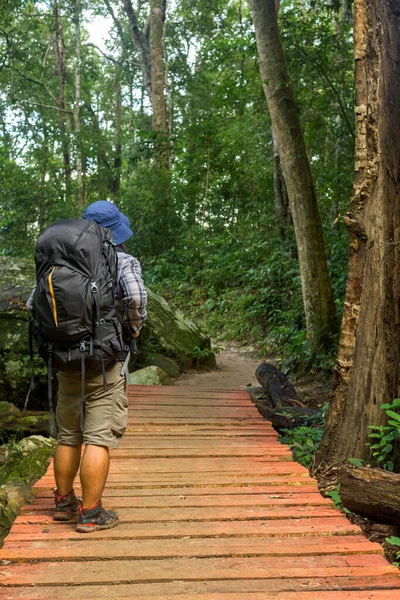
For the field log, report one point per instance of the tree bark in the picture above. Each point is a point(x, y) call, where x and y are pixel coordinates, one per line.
point(159, 118)
point(371, 493)
point(282, 210)
point(347, 12)
point(318, 299)
point(64, 119)
point(141, 45)
point(367, 367)
point(276, 385)
point(77, 121)
point(116, 181)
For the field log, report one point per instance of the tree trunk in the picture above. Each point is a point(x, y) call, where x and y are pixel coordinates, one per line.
point(318, 299)
point(64, 117)
point(367, 366)
point(347, 13)
point(371, 493)
point(77, 121)
point(159, 118)
point(118, 134)
point(141, 46)
point(282, 210)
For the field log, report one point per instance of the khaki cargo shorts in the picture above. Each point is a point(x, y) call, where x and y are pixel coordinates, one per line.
point(106, 412)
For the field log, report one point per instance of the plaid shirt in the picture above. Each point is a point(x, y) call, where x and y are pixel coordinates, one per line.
point(131, 293)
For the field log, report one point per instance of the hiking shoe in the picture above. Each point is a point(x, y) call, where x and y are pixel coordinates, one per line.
point(66, 506)
point(95, 518)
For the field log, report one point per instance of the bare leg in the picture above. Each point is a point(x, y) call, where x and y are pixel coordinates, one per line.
point(94, 471)
point(66, 465)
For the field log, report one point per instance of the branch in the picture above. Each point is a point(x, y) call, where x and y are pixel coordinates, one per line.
point(119, 61)
point(117, 23)
point(12, 68)
point(330, 84)
point(107, 56)
point(19, 102)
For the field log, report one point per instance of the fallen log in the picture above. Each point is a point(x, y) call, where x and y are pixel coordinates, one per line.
point(371, 493)
point(278, 389)
point(286, 418)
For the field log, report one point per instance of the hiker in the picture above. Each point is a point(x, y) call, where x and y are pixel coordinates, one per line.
point(92, 406)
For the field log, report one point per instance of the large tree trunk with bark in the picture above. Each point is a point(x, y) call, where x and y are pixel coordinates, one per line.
point(116, 180)
point(318, 299)
point(64, 115)
point(141, 45)
point(77, 120)
point(367, 366)
point(159, 118)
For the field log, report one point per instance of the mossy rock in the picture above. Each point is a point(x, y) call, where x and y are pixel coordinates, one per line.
point(149, 376)
point(26, 462)
point(167, 364)
point(8, 407)
point(24, 421)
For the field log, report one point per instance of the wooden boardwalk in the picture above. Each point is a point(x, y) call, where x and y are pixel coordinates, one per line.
point(212, 507)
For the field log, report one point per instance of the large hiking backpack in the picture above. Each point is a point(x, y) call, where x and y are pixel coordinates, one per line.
point(75, 321)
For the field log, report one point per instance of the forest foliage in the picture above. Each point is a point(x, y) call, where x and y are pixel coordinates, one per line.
point(205, 227)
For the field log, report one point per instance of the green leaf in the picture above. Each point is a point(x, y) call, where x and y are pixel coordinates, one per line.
point(358, 462)
point(395, 541)
point(394, 415)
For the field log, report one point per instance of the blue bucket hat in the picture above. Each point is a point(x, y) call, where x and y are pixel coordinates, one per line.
point(107, 214)
point(125, 219)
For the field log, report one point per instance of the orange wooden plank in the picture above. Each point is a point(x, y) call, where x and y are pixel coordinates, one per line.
point(295, 499)
point(355, 588)
point(188, 492)
point(188, 479)
point(130, 571)
point(137, 515)
point(303, 527)
point(200, 548)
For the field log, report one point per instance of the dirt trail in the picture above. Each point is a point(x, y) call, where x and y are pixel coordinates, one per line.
point(235, 369)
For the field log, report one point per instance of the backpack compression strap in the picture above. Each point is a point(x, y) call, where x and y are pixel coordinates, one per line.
point(50, 389)
point(100, 321)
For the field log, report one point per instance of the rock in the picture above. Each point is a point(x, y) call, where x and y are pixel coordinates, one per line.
point(177, 334)
point(165, 363)
point(25, 421)
point(26, 463)
point(34, 443)
point(8, 407)
point(12, 497)
point(149, 376)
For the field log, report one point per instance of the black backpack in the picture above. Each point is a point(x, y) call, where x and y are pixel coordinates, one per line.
point(75, 321)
